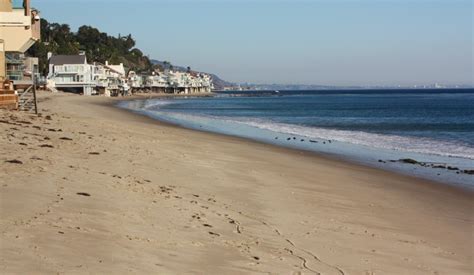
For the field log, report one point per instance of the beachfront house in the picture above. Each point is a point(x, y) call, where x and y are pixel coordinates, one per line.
point(19, 30)
point(110, 79)
point(177, 82)
point(71, 73)
point(135, 82)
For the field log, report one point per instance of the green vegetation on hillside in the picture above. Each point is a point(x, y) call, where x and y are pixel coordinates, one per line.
point(98, 46)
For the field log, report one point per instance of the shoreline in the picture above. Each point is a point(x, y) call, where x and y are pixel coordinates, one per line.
point(326, 155)
point(167, 199)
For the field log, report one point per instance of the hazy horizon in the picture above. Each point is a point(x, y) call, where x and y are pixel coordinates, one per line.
point(410, 42)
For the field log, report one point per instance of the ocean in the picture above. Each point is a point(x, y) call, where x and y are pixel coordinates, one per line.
point(378, 128)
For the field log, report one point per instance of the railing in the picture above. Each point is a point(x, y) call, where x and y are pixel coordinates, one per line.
point(27, 99)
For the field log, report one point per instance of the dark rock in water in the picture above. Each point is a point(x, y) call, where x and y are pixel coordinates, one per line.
point(382, 161)
point(409, 161)
point(330, 141)
point(313, 141)
point(438, 166)
point(288, 139)
point(294, 138)
point(469, 172)
point(324, 142)
point(302, 140)
point(276, 137)
point(452, 168)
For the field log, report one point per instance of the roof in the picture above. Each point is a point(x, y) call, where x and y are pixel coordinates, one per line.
point(117, 68)
point(68, 59)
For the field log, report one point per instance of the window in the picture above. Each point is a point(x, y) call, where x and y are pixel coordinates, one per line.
point(18, 4)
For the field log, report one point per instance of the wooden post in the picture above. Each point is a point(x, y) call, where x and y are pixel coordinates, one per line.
point(3, 73)
point(33, 77)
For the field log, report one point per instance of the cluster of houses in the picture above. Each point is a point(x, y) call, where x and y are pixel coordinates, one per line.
point(74, 73)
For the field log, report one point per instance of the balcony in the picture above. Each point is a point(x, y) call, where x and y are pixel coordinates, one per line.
point(15, 18)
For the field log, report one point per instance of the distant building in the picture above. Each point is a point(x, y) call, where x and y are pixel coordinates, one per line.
point(179, 82)
point(71, 72)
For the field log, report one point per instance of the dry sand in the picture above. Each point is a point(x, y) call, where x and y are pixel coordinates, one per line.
point(103, 191)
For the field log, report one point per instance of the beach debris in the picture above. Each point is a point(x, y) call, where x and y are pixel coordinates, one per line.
point(46, 146)
point(61, 232)
point(207, 225)
point(94, 153)
point(83, 194)
point(23, 144)
point(48, 117)
point(37, 127)
point(65, 138)
point(256, 258)
point(14, 161)
point(213, 233)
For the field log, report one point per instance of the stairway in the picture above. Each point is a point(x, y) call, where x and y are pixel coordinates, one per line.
point(27, 99)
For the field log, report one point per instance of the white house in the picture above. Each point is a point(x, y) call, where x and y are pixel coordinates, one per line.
point(71, 72)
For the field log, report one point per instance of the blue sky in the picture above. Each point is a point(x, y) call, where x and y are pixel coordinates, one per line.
point(334, 42)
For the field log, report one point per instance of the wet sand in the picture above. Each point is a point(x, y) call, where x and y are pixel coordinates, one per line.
point(89, 188)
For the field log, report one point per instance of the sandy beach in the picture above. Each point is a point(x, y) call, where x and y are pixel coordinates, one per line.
point(87, 188)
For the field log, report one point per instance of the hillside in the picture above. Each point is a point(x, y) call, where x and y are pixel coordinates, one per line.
point(98, 46)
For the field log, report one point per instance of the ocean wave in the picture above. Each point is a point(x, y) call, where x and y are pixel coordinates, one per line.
point(420, 145)
point(381, 141)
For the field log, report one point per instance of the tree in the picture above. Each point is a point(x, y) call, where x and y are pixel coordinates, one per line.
point(98, 46)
